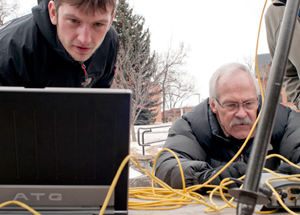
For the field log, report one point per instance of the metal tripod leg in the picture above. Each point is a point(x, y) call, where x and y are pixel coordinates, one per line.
point(246, 199)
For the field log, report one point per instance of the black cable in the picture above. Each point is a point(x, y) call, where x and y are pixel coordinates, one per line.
point(265, 191)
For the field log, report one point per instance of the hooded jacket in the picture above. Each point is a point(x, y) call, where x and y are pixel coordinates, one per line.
point(201, 146)
point(31, 55)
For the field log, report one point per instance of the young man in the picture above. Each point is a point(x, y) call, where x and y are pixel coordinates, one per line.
point(208, 136)
point(63, 43)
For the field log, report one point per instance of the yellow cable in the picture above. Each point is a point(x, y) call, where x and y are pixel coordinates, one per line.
point(179, 197)
point(214, 207)
point(20, 204)
point(277, 195)
point(222, 195)
point(159, 198)
point(197, 187)
point(289, 177)
point(170, 193)
point(256, 50)
point(113, 185)
point(187, 194)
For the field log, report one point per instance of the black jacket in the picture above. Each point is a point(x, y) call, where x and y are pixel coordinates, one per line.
point(199, 142)
point(31, 55)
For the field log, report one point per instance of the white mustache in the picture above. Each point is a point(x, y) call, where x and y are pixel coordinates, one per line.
point(245, 121)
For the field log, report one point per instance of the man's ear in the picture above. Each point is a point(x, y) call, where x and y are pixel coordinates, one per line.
point(213, 105)
point(52, 12)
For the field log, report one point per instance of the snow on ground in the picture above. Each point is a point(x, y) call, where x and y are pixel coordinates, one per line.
point(158, 134)
point(133, 173)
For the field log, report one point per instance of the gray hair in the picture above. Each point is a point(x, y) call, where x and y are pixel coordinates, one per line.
point(229, 69)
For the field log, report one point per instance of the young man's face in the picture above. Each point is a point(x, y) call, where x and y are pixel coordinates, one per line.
point(80, 33)
point(237, 88)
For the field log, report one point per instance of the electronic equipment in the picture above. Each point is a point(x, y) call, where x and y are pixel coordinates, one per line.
point(289, 191)
point(61, 148)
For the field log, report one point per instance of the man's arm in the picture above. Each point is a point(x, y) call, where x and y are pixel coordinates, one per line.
point(15, 54)
point(182, 142)
point(192, 156)
point(8, 72)
point(13, 70)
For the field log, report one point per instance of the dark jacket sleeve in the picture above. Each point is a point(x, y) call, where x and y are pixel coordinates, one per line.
point(15, 53)
point(13, 70)
point(183, 142)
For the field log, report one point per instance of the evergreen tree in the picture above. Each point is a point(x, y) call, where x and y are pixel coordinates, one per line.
point(146, 117)
point(135, 69)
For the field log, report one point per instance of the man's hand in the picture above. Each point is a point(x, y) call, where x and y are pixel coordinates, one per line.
point(288, 169)
point(235, 170)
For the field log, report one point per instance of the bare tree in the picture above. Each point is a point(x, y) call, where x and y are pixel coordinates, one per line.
point(250, 62)
point(134, 72)
point(7, 8)
point(180, 90)
point(264, 73)
point(169, 65)
point(263, 70)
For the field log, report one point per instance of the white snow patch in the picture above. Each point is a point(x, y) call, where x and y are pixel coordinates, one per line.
point(158, 135)
point(133, 173)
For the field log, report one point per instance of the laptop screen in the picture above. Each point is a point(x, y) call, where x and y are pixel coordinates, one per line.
point(61, 147)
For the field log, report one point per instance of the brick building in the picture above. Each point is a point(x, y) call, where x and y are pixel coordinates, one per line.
point(172, 115)
point(157, 108)
point(264, 67)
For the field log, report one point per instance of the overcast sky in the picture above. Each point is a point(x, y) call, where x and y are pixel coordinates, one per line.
point(217, 31)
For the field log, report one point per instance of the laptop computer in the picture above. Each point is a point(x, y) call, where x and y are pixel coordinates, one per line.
point(61, 148)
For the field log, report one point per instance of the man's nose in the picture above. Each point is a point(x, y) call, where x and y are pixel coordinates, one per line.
point(241, 113)
point(84, 35)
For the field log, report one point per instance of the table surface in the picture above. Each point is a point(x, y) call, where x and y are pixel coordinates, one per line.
point(199, 209)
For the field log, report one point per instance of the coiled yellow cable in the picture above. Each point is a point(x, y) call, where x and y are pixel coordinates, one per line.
point(166, 198)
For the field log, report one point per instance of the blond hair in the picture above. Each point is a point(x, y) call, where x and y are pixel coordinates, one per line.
point(89, 6)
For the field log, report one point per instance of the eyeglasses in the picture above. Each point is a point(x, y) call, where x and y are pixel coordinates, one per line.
point(232, 107)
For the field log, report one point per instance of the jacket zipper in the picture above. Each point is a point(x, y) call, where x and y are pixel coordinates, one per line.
point(85, 73)
point(242, 158)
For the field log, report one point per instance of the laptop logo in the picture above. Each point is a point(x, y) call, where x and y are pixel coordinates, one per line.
point(38, 197)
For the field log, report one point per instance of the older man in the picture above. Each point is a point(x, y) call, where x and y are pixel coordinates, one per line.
point(209, 135)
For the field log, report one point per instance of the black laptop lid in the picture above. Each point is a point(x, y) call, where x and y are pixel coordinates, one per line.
point(65, 136)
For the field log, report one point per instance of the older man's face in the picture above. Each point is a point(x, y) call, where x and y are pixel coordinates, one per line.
point(236, 88)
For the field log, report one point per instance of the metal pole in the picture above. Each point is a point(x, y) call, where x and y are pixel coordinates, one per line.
point(246, 199)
